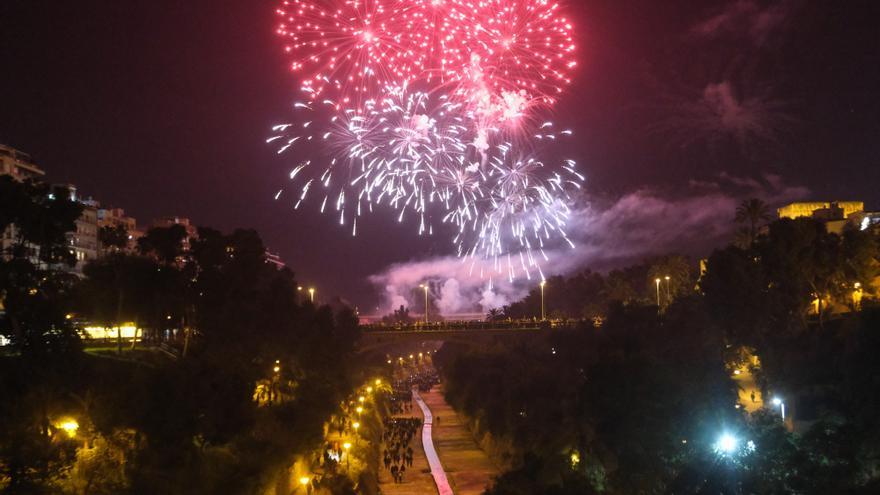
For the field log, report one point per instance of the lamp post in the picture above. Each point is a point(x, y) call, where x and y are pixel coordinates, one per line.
point(857, 296)
point(657, 282)
point(668, 297)
point(347, 447)
point(304, 481)
point(425, 286)
point(778, 402)
point(312, 294)
point(543, 283)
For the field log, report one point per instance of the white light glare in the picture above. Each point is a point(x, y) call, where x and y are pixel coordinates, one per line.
point(726, 444)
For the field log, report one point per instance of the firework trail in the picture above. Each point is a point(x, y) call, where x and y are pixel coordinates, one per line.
point(430, 109)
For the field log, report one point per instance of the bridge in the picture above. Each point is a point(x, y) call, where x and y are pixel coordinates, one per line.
point(376, 336)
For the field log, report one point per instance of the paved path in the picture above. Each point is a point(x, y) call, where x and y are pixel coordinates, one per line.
point(468, 469)
point(437, 471)
point(749, 394)
point(417, 480)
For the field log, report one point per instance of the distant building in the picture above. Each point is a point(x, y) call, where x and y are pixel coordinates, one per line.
point(191, 231)
point(836, 215)
point(84, 240)
point(116, 217)
point(807, 209)
point(18, 164)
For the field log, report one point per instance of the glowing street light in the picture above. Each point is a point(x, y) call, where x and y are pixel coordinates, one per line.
point(857, 295)
point(726, 444)
point(378, 381)
point(347, 446)
point(312, 294)
point(668, 297)
point(304, 481)
point(69, 426)
point(425, 287)
point(657, 281)
point(781, 405)
point(359, 410)
point(543, 283)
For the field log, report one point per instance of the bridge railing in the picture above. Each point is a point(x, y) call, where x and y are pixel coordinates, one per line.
point(442, 326)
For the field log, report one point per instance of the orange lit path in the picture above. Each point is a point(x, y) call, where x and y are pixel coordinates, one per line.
point(748, 389)
point(417, 480)
point(439, 475)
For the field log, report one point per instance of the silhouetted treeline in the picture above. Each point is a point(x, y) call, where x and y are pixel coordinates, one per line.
point(238, 377)
point(638, 405)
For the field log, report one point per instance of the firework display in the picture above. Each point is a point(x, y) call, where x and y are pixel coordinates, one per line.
point(432, 110)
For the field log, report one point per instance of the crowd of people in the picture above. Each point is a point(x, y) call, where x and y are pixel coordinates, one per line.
point(398, 452)
point(399, 430)
point(401, 401)
point(423, 380)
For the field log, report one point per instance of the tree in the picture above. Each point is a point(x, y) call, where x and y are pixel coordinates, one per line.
point(399, 316)
point(676, 278)
point(738, 295)
point(165, 243)
point(113, 238)
point(494, 314)
point(752, 213)
point(120, 288)
point(33, 289)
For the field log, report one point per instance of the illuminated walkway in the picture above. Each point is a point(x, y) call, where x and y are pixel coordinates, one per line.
point(468, 468)
point(437, 471)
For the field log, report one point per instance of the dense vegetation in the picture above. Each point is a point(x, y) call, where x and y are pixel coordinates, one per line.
point(636, 400)
point(204, 413)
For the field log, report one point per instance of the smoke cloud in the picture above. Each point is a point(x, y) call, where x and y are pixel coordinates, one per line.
point(607, 234)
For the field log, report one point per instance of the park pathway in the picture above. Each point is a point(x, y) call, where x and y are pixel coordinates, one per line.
point(437, 471)
point(467, 468)
point(418, 480)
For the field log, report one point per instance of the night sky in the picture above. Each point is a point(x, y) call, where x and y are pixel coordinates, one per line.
point(162, 107)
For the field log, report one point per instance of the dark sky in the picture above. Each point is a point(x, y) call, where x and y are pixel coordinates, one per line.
point(163, 106)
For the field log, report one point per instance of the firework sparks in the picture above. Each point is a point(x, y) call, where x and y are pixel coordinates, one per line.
point(430, 108)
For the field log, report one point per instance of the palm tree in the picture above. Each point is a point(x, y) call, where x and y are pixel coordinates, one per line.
point(753, 213)
point(494, 314)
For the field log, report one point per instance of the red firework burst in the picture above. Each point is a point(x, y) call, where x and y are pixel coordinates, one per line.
point(485, 47)
point(522, 45)
point(354, 46)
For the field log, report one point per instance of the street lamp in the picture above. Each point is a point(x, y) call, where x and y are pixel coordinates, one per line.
point(781, 405)
point(304, 481)
point(657, 281)
point(726, 444)
point(312, 294)
point(857, 295)
point(543, 283)
point(69, 426)
point(347, 447)
point(668, 298)
point(425, 286)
